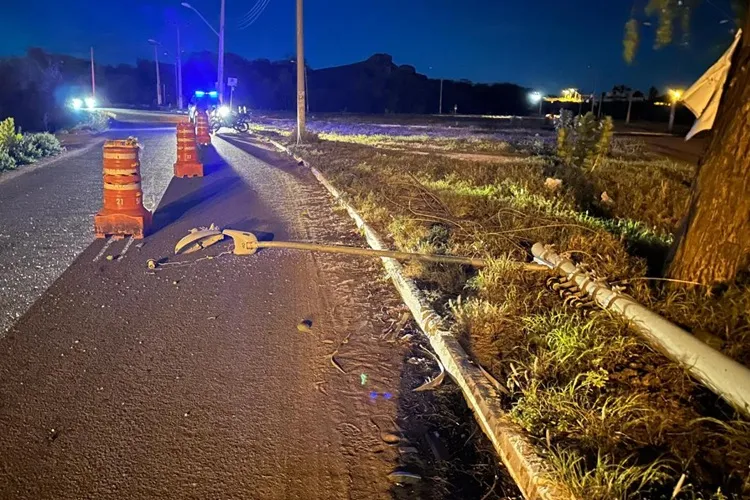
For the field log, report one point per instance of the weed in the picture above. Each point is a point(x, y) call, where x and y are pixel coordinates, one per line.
point(606, 479)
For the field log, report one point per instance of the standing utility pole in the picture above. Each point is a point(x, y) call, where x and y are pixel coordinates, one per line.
point(300, 75)
point(221, 52)
point(440, 108)
point(179, 71)
point(93, 75)
point(220, 34)
point(158, 76)
point(630, 105)
point(158, 73)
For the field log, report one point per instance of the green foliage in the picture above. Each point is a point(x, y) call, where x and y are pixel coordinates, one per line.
point(96, 121)
point(672, 17)
point(17, 149)
point(6, 161)
point(586, 142)
point(25, 150)
point(631, 40)
point(606, 479)
point(47, 144)
point(8, 135)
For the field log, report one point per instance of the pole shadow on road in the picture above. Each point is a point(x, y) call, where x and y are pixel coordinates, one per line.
point(212, 162)
point(223, 197)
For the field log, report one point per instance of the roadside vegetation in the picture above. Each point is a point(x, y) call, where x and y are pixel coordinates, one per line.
point(17, 149)
point(615, 418)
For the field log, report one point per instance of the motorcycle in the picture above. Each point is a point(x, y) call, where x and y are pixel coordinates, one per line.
point(224, 117)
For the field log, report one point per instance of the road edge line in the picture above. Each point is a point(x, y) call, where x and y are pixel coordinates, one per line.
point(529, 470)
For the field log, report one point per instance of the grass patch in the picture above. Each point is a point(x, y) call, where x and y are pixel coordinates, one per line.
point(616, 419)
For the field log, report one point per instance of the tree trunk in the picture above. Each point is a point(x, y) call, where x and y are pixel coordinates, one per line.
point(713, 244)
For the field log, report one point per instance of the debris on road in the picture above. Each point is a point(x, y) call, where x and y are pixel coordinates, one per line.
point(404, 477)
point(198, 239)
point(431, 384)
point(305, 326)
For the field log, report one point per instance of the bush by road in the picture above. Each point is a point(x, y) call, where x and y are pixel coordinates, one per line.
point(18, 149)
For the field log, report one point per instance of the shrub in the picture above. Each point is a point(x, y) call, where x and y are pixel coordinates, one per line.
point(46, 143)
point(8, 135)
point(585, 141)
point(25, 150)
point(31, 147)
point(6, 160)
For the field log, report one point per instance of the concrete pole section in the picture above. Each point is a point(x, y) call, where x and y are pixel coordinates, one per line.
point(301, 109)
point(719, 373)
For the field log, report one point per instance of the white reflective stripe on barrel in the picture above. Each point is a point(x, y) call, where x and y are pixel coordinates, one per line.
point(122, 187)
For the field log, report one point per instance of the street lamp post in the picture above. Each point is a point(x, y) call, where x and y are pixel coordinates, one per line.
point(158, 76)
point(180, 102)
point(220, 34)
point(674, 95)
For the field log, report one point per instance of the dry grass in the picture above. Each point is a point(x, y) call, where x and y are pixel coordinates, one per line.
point(616, 419)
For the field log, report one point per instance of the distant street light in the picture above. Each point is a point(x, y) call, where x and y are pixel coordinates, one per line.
point(158, 75)
point(220, 34)
point(536, 98)
point(674, 96)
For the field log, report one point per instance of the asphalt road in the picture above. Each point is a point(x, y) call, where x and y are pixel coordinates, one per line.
point(47, 214)
point(194, 380)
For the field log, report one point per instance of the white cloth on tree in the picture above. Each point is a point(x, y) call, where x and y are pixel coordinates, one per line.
point(703, 97)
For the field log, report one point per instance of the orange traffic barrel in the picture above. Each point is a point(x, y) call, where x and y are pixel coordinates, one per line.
point(201, 127)
point(187, 153)
point(123, 213)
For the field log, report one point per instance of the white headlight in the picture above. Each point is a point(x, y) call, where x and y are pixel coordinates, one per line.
point(224, 111)
point(76, 103)
point(90, 102)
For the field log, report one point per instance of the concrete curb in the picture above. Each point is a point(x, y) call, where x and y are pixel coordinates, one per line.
point(529, 470)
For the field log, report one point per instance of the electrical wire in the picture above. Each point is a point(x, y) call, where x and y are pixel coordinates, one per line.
point(251, 16)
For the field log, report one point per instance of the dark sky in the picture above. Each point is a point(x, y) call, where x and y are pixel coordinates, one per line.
point(544, 44)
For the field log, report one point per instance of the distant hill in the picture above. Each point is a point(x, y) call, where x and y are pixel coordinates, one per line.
point(35, 87)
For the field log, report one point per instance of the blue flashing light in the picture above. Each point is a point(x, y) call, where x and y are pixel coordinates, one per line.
point(199, 93)
point(213, 93)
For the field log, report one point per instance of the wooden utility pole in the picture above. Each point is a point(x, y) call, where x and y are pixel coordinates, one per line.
point(222, 79)
point(93, 75)
point(300, 75)
point(440, 106)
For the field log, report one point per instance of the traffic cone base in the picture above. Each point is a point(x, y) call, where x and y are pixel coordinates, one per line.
point(188, 170)
point(120, 225)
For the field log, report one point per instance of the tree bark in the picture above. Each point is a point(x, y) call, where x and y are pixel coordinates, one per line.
point(713, 244)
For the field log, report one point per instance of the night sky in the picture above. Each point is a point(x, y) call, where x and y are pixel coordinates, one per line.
point(542, 44)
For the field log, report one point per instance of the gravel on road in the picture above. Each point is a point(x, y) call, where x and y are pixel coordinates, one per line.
point(46, 214)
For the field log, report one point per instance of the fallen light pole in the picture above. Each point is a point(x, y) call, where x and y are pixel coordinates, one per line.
point(246, 243)
point(721, 374)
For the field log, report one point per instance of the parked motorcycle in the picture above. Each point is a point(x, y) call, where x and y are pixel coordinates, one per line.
point(222, 116)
